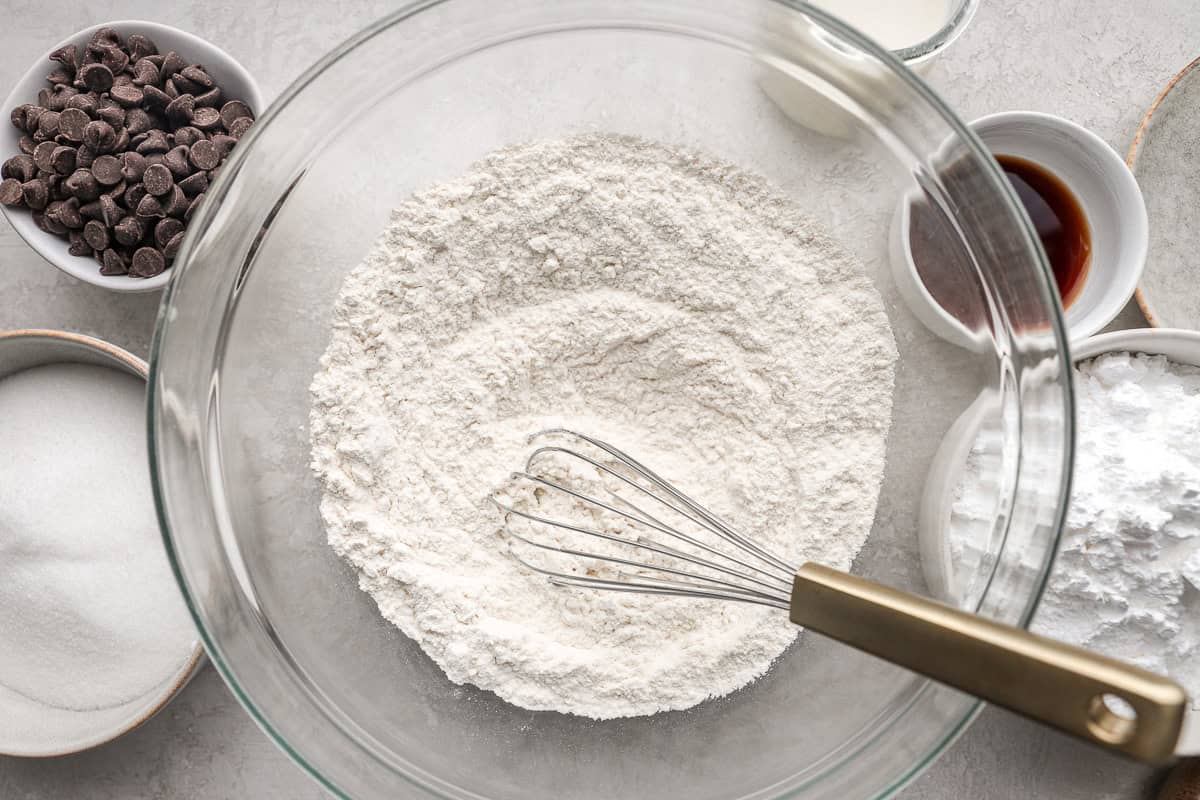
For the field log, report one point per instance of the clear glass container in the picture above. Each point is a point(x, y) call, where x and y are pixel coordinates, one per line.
point(416, 99)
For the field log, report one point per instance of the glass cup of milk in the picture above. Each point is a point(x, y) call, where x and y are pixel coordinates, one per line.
point(915, 31)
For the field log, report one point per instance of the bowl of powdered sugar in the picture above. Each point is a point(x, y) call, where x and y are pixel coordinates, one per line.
point(1126, 581)
point(464, 228)
point(94, 637)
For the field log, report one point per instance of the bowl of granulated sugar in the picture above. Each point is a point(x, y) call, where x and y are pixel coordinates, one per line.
point(94, 635)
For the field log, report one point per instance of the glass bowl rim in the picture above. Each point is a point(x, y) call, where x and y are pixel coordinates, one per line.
point(896, 62)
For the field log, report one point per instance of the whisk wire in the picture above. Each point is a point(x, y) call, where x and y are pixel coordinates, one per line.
point(629, 582)
point(725, 576)
point(650, 546)
point(644, 518)
point(695, 512)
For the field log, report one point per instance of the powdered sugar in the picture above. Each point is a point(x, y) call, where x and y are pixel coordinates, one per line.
point(1127, 576)
point(654, 297)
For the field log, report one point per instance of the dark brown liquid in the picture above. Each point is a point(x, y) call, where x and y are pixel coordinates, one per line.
point(1058, 220)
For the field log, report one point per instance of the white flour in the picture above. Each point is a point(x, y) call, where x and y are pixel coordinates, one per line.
point(1127, 576)
point(654, 297)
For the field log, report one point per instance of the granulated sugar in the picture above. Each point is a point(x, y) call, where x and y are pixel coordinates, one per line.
point(90, 616)
point(654, 297)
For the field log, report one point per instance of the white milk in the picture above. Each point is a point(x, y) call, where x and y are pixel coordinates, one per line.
point(895, 24)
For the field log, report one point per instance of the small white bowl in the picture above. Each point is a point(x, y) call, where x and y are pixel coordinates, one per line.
point(1107, 193)
point(944, 577)
point(232, 77)
point(30, 728)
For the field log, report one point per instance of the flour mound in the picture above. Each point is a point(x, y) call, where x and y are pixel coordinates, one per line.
point(649, 296)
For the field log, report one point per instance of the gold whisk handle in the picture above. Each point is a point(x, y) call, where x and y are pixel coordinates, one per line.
point(1063, 686)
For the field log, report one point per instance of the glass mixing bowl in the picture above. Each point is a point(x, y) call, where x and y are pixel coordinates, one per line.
point(417, 98)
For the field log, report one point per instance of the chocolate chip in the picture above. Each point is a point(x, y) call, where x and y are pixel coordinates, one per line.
point(155, 97)
point(127, 95)
point(177, 161)
point(42, 155)
point(234, 110)
point(180, 110)
point(134, 195)
point(133, 166)
point(53, 183)
point(137, 121)
point(22, 168)
point(72, 121)
point(145, 73)
point(39, 219)
point(239, 127)
point(25, 117)
point(171, 90)
point(155, 142)
point(158, 179)
point(96, 77)
point(147, 262)
point(110, 212)
point(105, 37)
point(35, 194)
point(139, 47)
point(188, 135)
point(165, 230)
point(224, 143)
point(156, 59)
point(78, 247)
point(84, 156)
point(173, 62)
point(57, 99)
point(149, 207)
point(91, 210)
point(11, 193)
point(175, 203)
point(83, 184)
point(193, 207)
point(209, 99)
point(69, 214)
point(60, 75)
point(115, 59)
point(129, 231)
point(107, 170)
point(204, 155)
point(206, 118)
point(64, 55)
point(197, 75)
point(54, 224)
point(26, 145)
point(194, 184)
point(113, 263)
point(63, 160)
point(84, 102)
point(114, 115)
point(100, 136)
point(171, 248)
point(96, 235)
point(48, 124)
point(186, 86)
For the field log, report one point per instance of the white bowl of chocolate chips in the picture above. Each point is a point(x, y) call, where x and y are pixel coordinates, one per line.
point(116, 134)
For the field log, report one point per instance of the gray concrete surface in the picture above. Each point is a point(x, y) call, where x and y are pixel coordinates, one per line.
point(1098, 62)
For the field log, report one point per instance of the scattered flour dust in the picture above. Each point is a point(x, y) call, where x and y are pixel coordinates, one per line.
point(653, 297)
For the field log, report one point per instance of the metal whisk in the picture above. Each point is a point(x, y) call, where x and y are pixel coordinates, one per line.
point(628, 529)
